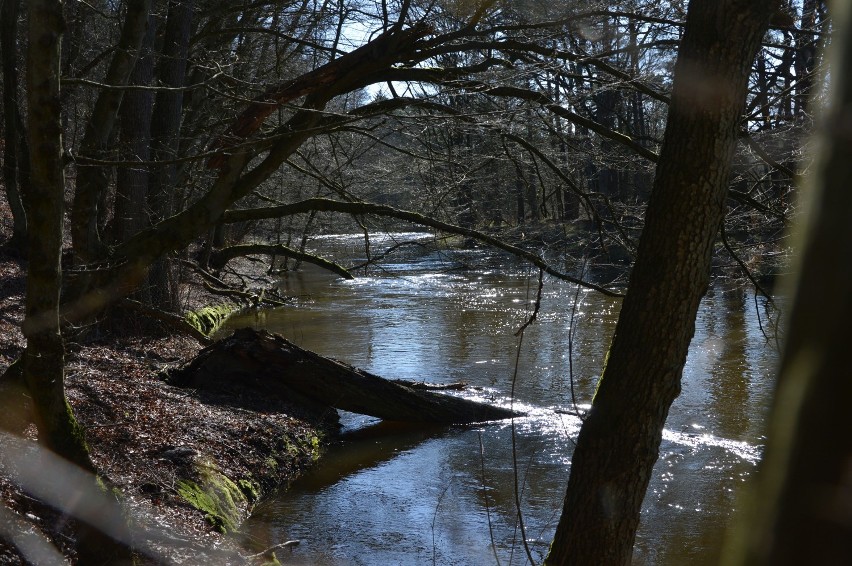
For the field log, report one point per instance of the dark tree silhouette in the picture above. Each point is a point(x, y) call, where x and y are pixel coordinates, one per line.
point(620, 438)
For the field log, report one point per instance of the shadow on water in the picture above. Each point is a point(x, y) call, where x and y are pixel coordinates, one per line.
point(364, 448)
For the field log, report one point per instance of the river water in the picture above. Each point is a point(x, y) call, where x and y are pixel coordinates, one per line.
point(393, 494)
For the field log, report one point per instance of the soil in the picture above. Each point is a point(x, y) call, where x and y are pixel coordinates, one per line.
point(145, 436)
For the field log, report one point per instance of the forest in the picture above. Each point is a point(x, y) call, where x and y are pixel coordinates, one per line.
point(168, 164)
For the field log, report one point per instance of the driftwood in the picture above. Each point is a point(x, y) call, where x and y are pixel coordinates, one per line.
point(273, 366)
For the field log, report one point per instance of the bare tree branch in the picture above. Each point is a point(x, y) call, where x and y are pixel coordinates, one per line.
point(360, 208)
point(220, 257)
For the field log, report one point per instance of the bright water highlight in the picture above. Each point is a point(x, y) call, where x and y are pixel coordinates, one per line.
point(400, 494)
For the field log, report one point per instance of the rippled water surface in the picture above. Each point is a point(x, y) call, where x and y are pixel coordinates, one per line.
point(395, 494)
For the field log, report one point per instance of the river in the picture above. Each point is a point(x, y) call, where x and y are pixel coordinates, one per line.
point(392, 494)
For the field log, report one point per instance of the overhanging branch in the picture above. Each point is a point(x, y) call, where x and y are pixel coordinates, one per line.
point(361, 208)
point(220, 257)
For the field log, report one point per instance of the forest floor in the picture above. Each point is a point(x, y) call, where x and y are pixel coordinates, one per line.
point(144, 436)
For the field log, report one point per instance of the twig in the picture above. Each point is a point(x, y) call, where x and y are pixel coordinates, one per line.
point(106, 425)
point(434, 518)
point(520, 335)
point(571, 331)
point(515, 454)
point(422, 385)
point(537, 306)
point(485, 498)
point(289, 544)
point(387, 252)
point(744, 267)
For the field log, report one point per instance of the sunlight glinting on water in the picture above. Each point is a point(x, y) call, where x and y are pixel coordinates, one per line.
point(747, 452)
point(417, 495)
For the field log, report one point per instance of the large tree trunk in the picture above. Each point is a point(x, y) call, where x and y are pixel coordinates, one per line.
point(619, 441)
point(165, 136)
point(166, 122)
point(130, 214)
point(280, 369)
point(44, 358)
point(802, 504)
point(92, 181)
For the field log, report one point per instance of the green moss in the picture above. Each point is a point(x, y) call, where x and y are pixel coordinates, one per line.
point(209, 319)
point(603, 371)
point(316, 446)
point(220, 499)
point(65, 434)
point(293, 447)
point(250, 489)
point(310, 445)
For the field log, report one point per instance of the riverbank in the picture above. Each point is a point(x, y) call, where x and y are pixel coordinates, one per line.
point(159, 445)
point(166, 450)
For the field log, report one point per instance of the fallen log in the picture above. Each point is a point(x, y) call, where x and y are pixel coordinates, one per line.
point(273, 366)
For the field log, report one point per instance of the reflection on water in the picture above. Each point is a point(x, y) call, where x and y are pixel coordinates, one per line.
point(393, 494)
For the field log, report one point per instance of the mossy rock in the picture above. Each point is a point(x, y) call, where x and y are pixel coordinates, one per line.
point(209, 319)
point(223, 502)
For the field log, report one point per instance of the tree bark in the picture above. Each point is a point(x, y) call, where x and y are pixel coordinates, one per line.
point(44, 358)
point(278, 368)
point(166, 121)
point(16, 153)
point(619, 441)
point(800, 507)
point(165, 136)
point(131, 213)
point(92, 181)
